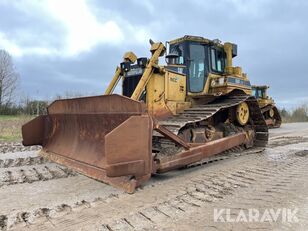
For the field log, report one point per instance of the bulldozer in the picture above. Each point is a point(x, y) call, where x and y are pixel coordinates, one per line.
point(169, 116)
point(267, 105)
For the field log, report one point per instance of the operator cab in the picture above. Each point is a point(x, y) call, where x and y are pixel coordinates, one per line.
point(260, 92)
point(196, 57)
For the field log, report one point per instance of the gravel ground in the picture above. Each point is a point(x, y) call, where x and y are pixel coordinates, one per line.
point(38, 195)
point(6, 147)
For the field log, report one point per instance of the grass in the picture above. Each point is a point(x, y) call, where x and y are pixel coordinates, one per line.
point(10, 127)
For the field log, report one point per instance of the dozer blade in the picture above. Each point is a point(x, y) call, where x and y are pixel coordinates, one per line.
point(108, 138)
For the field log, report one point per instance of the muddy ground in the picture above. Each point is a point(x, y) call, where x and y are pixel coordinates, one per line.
point(38, 195)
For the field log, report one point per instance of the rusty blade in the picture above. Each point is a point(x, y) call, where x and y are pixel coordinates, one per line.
point(34, 132)
point(99, 136)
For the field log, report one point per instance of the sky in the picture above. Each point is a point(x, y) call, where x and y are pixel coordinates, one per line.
point(73, 46)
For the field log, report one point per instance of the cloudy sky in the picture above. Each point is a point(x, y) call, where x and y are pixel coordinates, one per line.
point(74, 45)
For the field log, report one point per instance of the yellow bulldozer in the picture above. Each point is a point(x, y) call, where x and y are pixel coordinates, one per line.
point(168, 116)
point(267, 105)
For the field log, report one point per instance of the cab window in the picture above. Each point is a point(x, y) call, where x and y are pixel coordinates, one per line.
point(261, 93)
point(254, 93)
point(217, 60)
point(197, 67)
point(213, 59)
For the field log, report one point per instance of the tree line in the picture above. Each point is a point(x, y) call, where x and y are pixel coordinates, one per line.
point(299, 114)
point(8, 84)
point(8, 81)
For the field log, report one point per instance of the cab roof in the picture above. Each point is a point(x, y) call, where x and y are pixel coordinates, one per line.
point(196, 39)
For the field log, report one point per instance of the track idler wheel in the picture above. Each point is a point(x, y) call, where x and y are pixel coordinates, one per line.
point(271, 113)
point(242, 113)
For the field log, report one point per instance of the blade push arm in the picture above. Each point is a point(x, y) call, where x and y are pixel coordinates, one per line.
point(114, 81)
point(128, 57)
point(157, 49)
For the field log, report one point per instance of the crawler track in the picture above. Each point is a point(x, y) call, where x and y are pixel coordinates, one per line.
point(198, 113)
point(274, 122)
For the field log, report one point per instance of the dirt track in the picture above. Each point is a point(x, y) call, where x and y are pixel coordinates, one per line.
point(39, 195)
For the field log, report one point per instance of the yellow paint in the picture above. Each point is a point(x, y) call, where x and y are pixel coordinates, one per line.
point(166, 91)
point(242, 113)
point(157, 49)
point(266, 99)
point(130, 57)
point(114, 81)
point(228, 50)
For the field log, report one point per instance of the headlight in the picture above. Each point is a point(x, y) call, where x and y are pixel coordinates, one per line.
point(221, 81)
point(218, 81)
